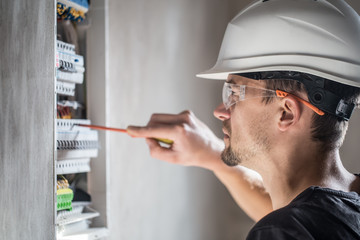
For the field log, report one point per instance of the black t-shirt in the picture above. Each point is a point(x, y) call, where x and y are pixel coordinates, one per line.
point(317, 213)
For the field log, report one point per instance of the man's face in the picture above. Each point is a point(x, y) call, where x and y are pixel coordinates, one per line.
point(245, 126)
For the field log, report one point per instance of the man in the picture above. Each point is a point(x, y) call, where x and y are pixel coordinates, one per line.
point(292, 76)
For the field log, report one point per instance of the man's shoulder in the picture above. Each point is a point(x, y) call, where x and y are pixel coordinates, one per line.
point(315, 212)
point(283, 223)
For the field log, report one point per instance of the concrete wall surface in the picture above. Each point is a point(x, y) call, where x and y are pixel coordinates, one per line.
point(27, 104)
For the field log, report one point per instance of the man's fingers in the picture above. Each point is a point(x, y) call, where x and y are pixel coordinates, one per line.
point(157, 131)
point(170, 118)
point(161, 153)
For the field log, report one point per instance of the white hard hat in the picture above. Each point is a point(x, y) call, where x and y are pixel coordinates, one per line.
point(317, 37)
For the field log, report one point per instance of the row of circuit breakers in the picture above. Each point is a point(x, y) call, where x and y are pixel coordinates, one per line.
point(69, 69)
point(75, 147)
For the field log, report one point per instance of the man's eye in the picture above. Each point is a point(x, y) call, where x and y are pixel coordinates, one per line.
point(234, 93)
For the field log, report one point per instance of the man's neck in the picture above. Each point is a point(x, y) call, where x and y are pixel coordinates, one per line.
point(290, 173)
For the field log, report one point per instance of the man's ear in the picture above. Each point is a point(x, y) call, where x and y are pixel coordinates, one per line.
point(290, 113)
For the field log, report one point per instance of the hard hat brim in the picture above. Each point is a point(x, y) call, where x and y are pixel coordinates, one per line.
point(342, 71)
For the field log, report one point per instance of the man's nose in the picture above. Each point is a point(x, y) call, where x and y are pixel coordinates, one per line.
point(221, 113)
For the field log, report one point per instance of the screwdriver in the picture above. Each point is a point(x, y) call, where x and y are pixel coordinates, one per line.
point(163, 140)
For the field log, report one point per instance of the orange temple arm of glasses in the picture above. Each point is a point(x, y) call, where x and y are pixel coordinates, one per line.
point(282, 94)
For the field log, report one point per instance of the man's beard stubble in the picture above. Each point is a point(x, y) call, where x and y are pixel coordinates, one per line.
point(235, 155)
point(228, 156)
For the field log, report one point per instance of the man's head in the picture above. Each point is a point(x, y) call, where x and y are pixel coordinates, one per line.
point(253, 124)
point(307, 48)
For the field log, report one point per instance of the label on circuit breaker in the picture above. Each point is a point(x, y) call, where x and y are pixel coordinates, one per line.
point(72, 58)
point(70, 62)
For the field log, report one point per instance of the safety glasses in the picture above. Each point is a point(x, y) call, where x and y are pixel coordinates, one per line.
point(233, 93)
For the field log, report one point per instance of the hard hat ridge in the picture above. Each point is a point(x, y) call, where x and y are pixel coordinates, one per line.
point(315, 37)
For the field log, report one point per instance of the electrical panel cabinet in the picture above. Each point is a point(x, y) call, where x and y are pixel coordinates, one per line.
point(76, 146)
point(46, 161)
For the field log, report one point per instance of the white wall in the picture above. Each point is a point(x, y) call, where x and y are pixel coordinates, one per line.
point(156, 48)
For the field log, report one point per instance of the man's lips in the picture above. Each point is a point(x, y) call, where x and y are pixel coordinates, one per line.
point(226, 135)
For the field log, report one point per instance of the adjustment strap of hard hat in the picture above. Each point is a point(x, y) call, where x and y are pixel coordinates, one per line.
point(318, 96)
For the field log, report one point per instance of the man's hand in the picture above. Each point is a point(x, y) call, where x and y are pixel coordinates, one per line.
point(194, 143)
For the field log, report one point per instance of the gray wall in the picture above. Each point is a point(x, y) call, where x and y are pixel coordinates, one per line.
point(155, 49)
point(27, 104)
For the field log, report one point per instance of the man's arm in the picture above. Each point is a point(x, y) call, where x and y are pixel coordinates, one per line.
point(196, 145)
point(247, 189)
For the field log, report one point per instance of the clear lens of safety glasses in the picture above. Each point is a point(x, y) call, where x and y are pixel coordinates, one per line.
point(233, 93)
